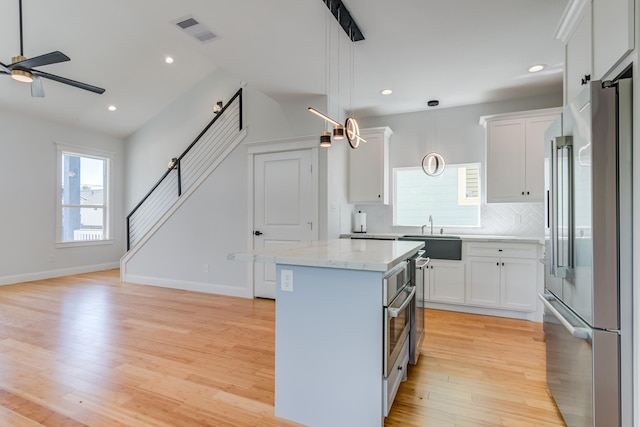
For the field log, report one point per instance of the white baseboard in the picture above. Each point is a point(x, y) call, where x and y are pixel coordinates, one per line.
point(209, 288)
point(50, 274)
point(522, 315)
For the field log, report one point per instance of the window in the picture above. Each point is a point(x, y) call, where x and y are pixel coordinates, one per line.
point(83, 198)
point(452, 199)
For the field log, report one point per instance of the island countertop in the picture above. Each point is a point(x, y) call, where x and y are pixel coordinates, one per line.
point(370, 255)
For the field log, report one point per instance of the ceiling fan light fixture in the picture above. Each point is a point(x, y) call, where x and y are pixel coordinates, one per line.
point(22, 76)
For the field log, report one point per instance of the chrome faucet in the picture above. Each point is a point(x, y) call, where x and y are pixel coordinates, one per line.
point(422, 227)
point(431, 222)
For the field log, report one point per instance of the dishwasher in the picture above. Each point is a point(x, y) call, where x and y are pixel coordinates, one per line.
point(416, 333)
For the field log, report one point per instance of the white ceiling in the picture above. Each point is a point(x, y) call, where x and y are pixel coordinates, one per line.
point(458, 51)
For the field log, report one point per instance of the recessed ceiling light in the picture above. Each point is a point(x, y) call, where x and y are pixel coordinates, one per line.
point(168, 60)
point(536, 68)
point(386, 92)
point(112, 108)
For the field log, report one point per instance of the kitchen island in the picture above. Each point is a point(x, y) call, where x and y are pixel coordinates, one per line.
point(329, 328)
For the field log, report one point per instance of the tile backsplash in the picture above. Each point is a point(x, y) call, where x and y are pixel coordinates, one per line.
point(508, 219)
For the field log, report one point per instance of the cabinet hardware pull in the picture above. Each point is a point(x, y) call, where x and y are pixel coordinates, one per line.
point(498, 264)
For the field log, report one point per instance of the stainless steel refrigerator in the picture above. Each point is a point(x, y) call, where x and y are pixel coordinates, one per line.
point(588, 266)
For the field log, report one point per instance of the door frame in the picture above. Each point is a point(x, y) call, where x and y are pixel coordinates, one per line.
point(309, 142)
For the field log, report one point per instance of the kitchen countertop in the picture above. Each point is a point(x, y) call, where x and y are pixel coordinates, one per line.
point(367, 254)
point(466, 237)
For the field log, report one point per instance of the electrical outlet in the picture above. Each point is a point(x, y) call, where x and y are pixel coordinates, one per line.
point(516, 219)
point(205, 268)
point(286, 280)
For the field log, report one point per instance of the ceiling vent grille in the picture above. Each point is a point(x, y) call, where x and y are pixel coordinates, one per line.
point(195, 29)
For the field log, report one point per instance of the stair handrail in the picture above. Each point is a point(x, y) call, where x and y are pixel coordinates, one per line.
point(175, 162)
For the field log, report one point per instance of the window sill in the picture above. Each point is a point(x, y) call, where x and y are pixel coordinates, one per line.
point(82, 243)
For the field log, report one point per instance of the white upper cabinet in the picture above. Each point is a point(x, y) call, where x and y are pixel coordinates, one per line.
point(598, 35)
point(514, 167)
point(578, 57)
point(369, 168)
point(613, 32)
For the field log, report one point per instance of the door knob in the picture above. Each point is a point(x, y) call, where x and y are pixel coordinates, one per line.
point(258, 233)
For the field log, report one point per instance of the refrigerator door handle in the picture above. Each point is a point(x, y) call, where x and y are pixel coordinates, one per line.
point(562, 207)
point(582, 333)
point(553, 209)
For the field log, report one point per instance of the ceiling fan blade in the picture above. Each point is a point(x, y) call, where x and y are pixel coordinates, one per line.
point(37, 91)
point(67, 81)
point(38, 61)
point(4, 69)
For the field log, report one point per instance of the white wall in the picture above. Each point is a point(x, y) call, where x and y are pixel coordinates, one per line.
point(28, 212)
point(458, 136)
point(212, 222)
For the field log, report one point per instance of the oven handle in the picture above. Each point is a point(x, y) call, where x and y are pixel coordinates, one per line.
point(582, 333)
point(395, 312)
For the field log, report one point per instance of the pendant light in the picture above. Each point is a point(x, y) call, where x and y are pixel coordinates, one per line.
point(325, 139)
point(433, 163)
point(350, 129)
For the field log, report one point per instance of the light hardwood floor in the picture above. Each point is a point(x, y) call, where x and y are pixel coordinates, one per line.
point(90, 350)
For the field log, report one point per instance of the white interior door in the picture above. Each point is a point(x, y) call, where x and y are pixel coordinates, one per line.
point(284, 208)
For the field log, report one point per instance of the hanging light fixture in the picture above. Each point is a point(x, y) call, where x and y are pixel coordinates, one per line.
point(325, 139)
point(350, 129)
point(433, 163)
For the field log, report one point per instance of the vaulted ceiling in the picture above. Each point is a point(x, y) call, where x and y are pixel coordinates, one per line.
point(458, 51)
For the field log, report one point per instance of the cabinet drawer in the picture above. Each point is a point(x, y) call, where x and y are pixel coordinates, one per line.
point(503, 250)
point(398, 374)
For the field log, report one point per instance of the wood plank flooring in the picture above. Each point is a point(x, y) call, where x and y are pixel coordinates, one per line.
point(90, 350)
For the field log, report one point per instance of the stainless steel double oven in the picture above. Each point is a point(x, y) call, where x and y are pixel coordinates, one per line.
point(398, 298)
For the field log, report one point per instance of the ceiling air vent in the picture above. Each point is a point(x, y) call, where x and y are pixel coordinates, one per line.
point(195, 29)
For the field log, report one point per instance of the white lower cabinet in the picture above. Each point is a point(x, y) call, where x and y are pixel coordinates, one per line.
point(518, 280)
point(502, 275)
point(444, 281)
point(495, 278)
point(483, 281)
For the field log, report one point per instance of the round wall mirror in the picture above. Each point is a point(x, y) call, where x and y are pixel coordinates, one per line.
point(433, 164)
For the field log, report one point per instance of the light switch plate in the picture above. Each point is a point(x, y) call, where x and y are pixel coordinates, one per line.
point(286, 280)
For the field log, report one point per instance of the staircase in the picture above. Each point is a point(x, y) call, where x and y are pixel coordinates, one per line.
point(185, 173)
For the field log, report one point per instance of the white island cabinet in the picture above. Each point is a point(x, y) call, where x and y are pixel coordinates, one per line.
point(329, 328)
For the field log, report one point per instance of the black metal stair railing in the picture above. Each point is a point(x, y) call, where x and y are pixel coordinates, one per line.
point(185, 170)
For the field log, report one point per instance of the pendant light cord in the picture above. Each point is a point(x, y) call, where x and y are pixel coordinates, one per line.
point(352, 76)
point(327, 57)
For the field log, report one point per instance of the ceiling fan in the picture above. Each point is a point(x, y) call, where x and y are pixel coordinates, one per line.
point(23, 69)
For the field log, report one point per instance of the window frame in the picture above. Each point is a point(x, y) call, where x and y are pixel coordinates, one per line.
point(476, 201)
point(107, 157)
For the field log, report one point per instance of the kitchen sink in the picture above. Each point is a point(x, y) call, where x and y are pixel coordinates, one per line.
point(438, 246)
point(430, 236)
